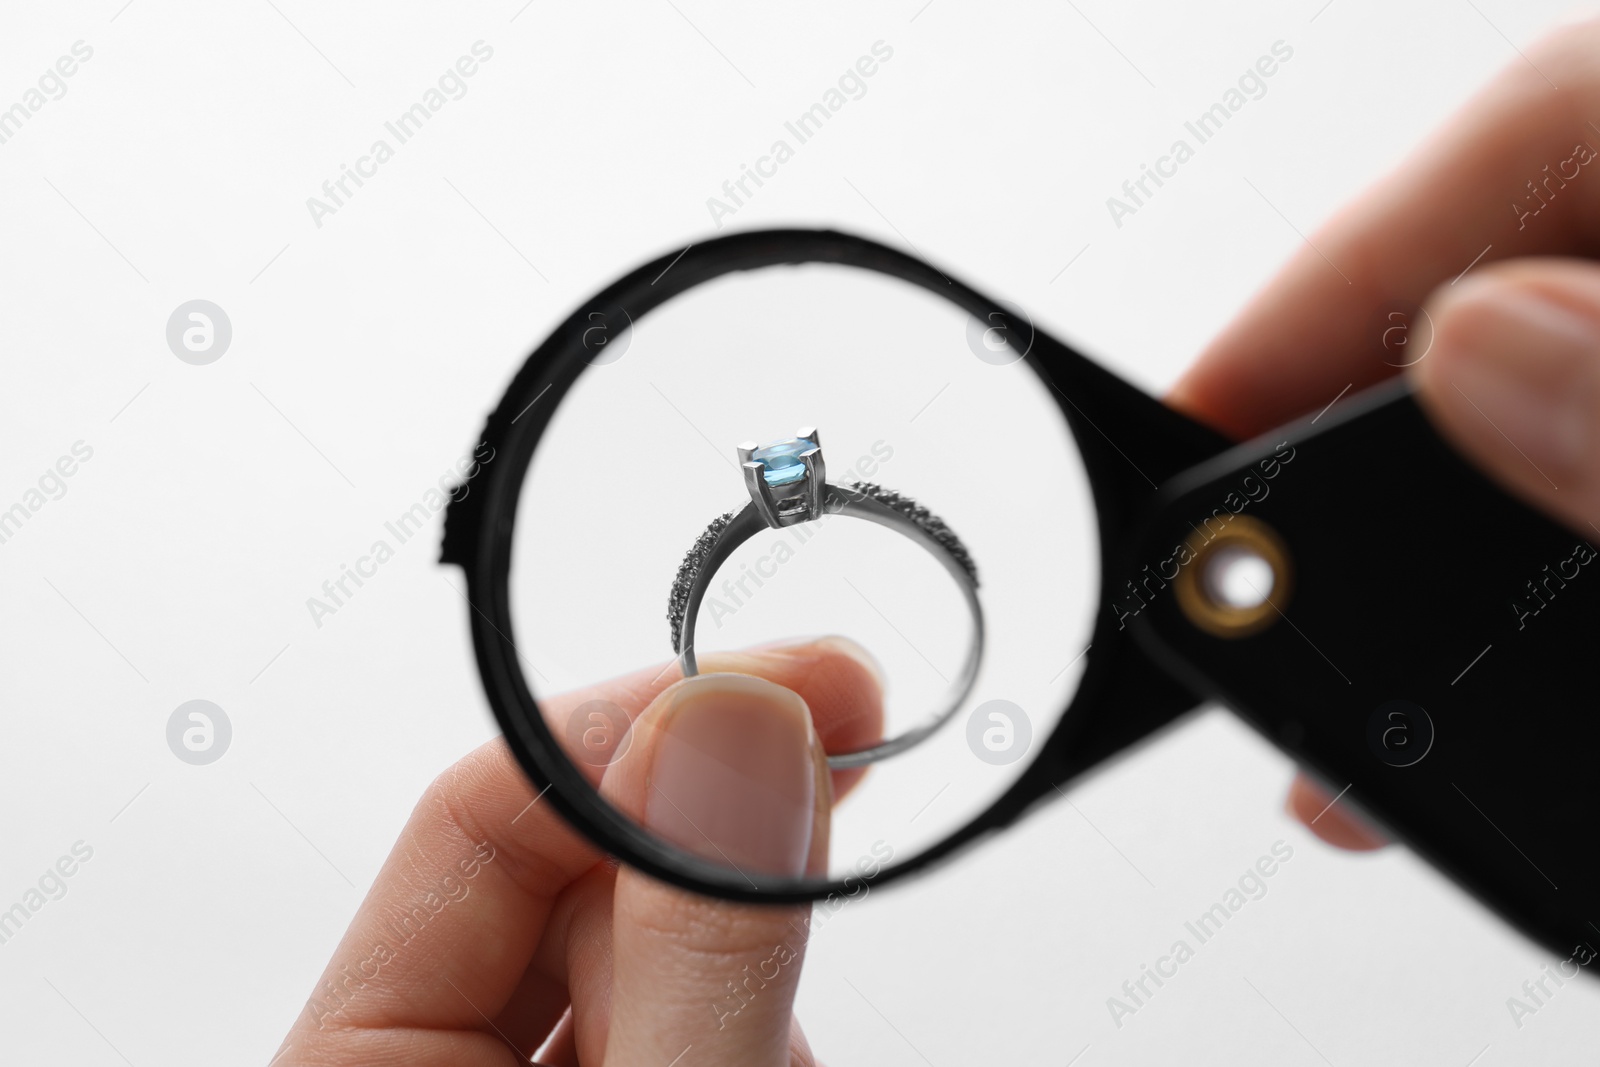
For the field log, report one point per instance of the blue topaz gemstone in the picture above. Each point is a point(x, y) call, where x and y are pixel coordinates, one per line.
point(780, 461)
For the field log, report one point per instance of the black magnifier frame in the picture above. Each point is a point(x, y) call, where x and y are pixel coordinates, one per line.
point(1153, 444)
point(1424, 648)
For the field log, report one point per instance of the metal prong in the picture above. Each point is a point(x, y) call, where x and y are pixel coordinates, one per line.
point(816, 473)
point(809, 433)
point(745, 451)
point(761, 493)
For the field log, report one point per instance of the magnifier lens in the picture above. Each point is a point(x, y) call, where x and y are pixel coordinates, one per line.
point(918, 408)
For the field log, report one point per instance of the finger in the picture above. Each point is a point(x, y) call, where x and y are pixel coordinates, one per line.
point(445, 933)
point(729, 768)
point(1328, 319)
point(1319, 810)
point(1514, 382)
point(571, 964)
point(839, 682)
point(417, 955)
point(578, 946)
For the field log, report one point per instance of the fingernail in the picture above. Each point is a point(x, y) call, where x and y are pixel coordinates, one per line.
point(1529, 366)
point(734, 774)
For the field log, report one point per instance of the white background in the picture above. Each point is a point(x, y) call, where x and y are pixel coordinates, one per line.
point(366, 352)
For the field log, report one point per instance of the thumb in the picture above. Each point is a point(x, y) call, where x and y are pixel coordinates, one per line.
point(728, 767)
point(1513, 381)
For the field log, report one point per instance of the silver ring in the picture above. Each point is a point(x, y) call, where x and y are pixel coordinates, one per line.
point(787, 485)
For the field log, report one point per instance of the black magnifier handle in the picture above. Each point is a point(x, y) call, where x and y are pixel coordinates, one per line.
point(1382, 611)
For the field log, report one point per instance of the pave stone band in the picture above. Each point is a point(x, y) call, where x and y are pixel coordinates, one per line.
point(694, 560)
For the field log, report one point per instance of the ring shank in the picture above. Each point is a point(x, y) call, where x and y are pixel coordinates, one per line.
point(844, 500)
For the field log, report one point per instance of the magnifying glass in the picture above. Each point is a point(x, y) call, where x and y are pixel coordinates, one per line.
point(709, 432)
